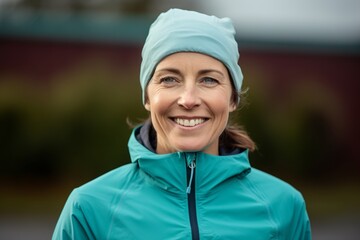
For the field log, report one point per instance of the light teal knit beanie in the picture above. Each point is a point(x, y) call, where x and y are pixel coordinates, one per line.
point(187, 31)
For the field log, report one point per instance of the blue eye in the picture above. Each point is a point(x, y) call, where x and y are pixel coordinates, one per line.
point(210, 81)
point(168, 80)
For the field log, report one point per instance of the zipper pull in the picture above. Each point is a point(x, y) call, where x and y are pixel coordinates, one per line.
point(192, 166)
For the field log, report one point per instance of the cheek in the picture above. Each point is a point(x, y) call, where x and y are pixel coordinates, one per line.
point(221, 104)
point(158, 104)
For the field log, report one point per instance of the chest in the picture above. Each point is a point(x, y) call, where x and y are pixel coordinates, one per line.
point(154, 214)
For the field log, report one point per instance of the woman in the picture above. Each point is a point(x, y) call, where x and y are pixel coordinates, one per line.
point(190, 177)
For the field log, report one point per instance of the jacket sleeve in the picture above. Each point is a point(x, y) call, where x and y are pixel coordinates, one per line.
point(72, 222)
point(301, 229)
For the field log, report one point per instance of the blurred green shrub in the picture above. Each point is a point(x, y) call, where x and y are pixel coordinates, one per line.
point(75, 125)
point(300, 132)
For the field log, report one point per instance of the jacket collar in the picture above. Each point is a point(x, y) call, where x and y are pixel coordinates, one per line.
point(168, 171)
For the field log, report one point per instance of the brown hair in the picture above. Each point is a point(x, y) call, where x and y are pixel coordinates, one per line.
point(234, 135)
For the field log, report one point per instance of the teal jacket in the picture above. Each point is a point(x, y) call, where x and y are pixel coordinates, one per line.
point(184, 196)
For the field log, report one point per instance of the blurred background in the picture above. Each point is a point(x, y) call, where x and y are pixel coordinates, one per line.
point(69, 80)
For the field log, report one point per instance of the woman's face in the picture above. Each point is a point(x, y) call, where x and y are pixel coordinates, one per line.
point(189, 99)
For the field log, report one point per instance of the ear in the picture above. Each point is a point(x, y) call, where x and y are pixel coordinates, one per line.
point(147, 105)
point(233, 107)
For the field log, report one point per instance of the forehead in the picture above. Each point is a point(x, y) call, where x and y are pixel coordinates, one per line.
point(191, 59)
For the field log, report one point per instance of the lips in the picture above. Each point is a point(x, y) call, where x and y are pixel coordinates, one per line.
point(189, 122)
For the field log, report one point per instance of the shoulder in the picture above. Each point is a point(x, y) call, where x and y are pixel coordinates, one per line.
point(284, 203)
point(273, 189)
point(104, 187)
point(90, 205)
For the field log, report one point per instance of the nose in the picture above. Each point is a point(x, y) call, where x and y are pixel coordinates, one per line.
point(189, 97)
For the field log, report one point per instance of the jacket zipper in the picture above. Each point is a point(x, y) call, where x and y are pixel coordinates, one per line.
point(190, 172)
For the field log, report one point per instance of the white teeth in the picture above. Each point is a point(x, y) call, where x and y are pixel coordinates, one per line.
point(189, 123)
point(192, 122)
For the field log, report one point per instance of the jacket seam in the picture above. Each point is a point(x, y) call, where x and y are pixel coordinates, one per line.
point(152, 181)
point(76, 204)
point(259, 195)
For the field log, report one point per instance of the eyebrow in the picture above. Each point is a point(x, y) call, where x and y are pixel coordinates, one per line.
point(204, 71)
point(172, 70)
point(177, 71)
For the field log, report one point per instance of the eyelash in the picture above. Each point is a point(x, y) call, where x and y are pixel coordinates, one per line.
point(213, 80)
point(172, 80)
point(166, 80)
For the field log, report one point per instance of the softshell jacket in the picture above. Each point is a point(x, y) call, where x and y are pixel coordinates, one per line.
point(184, 196)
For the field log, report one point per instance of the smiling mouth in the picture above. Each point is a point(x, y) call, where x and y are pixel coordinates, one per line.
point(189, 122)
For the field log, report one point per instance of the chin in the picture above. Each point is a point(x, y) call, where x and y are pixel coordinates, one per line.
point(191, 148)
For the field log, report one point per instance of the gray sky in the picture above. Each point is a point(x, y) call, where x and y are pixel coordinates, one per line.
point(305, 20)
point(315, 21)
